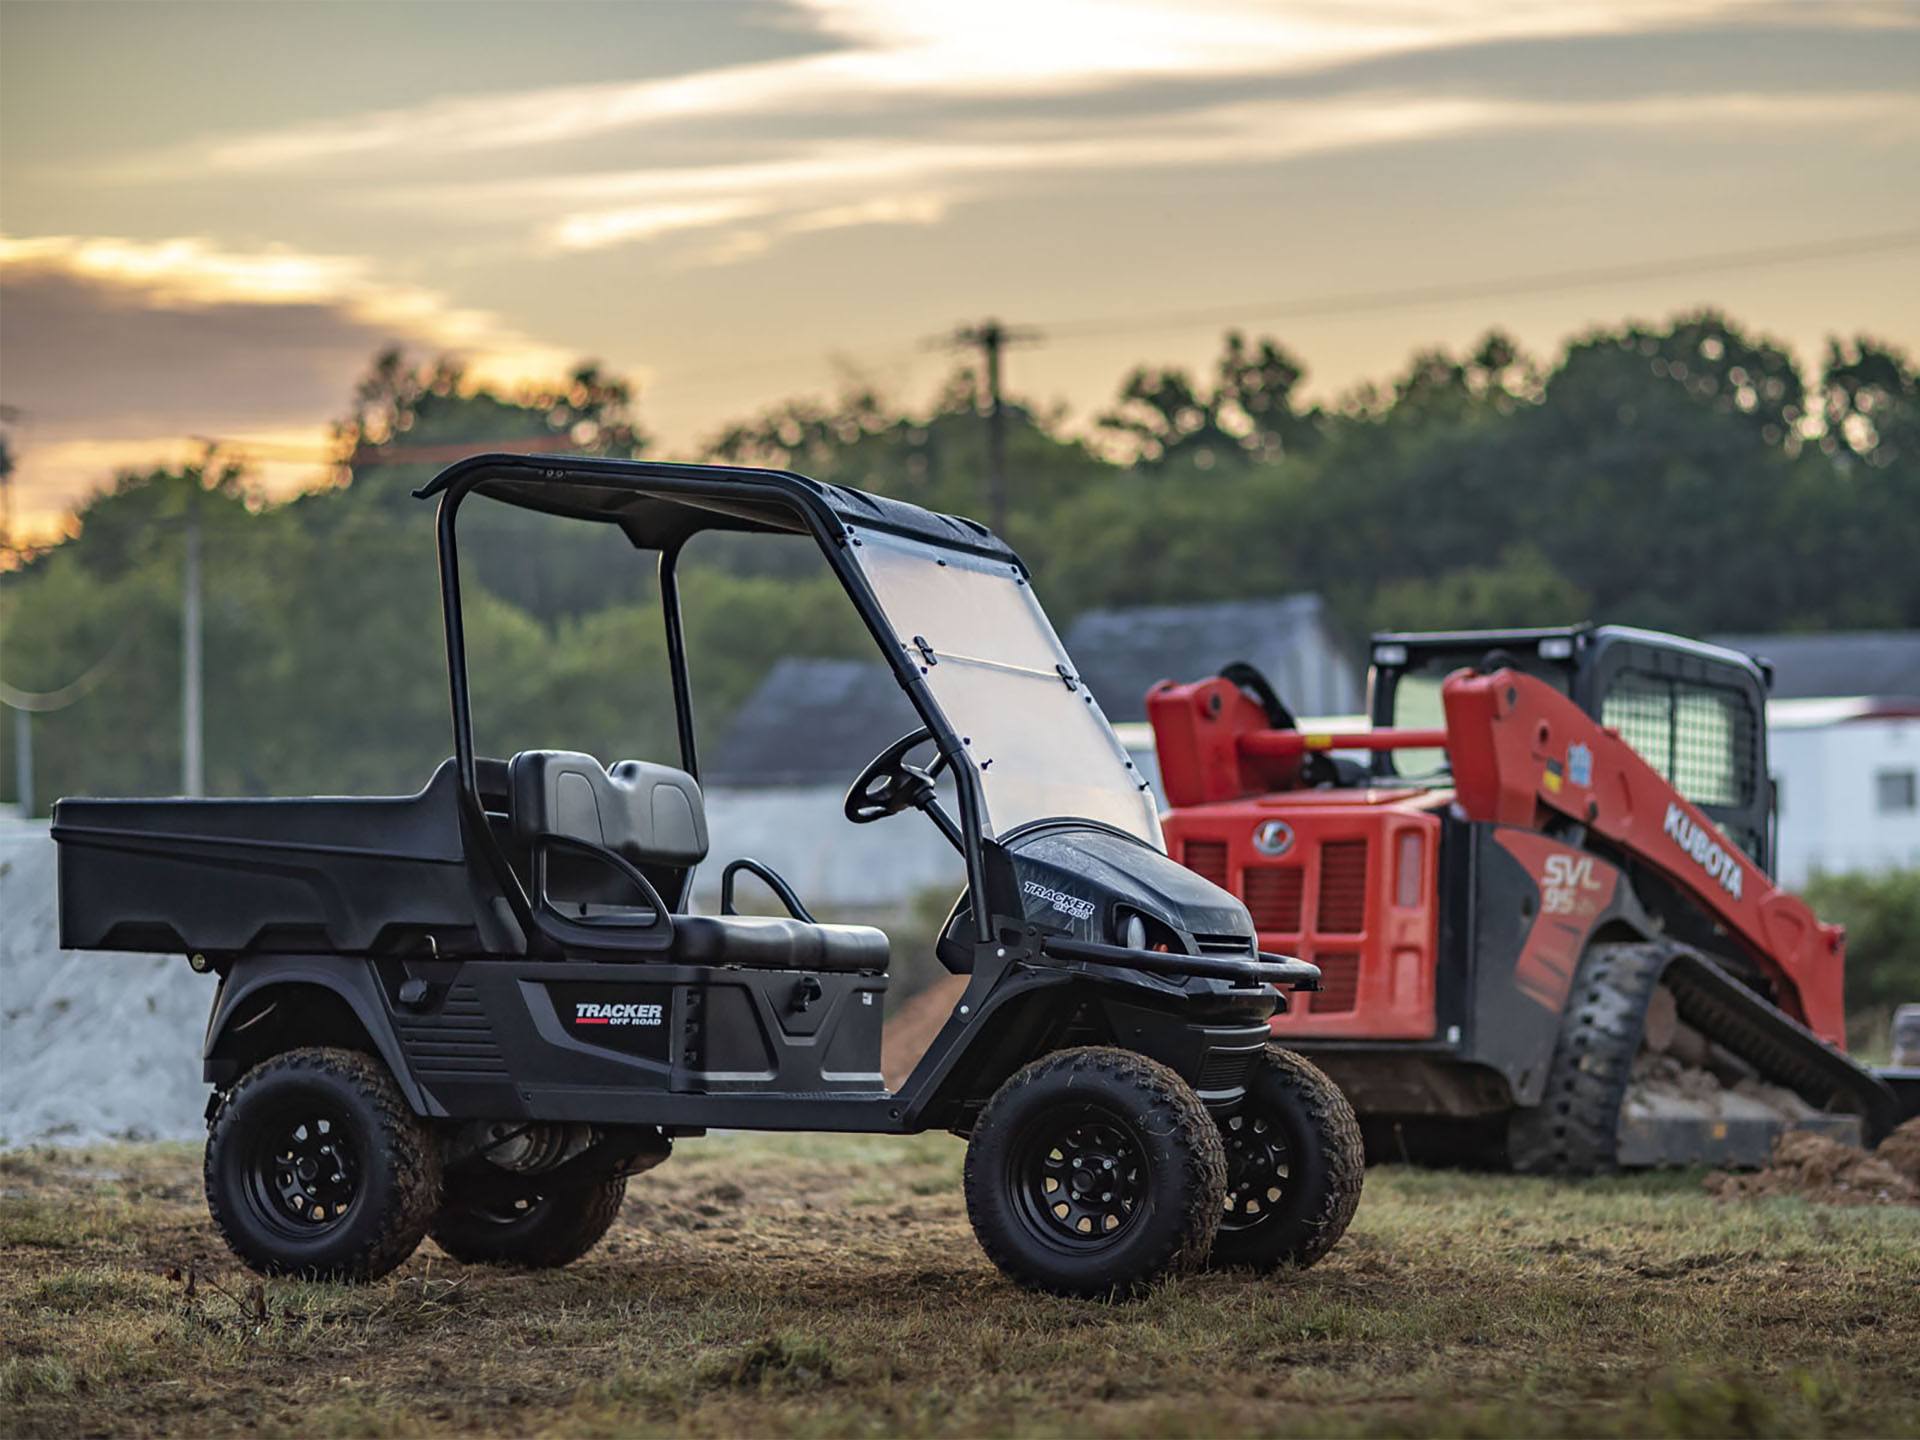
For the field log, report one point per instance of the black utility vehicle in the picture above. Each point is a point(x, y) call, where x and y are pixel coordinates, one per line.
point(475, 1011)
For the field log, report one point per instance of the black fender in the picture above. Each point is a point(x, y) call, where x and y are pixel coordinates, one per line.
point(1011, 1013)
point(355, 985)
point(988, 1036)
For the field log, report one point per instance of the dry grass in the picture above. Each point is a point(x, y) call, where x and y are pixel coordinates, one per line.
point(801, 1286)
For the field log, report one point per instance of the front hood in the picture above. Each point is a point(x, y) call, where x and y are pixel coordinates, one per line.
point(1075, 878)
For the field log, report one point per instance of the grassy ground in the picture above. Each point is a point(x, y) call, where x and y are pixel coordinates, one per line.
point(832, 1287)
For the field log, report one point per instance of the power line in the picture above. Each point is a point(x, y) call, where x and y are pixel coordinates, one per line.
point(41, 702)
point(1540, 283)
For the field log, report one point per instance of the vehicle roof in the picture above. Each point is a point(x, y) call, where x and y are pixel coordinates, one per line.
point(1659, 639)
point(1448, 639)
point(661, 504)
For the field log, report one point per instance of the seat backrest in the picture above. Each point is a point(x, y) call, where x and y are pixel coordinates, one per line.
point(647, 814)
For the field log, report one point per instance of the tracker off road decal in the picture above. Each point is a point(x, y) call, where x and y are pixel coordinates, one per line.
point(1066, 904)
point(632, 1019)
point(587, 1013)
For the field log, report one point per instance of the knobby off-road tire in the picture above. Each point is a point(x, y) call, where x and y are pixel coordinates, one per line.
point(1295, 1165)
point(1575, 1129)
point(527, 1221)
point(1093, 1173)
point(316, 1167)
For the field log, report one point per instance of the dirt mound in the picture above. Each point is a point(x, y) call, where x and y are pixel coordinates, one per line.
point(1901, 1150)
point(1814, 1167)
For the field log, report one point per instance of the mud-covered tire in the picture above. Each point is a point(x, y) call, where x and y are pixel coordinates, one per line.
point(521, 1221)
point(316, 1167)
point(1295, 1166)
point(1152, 1174)
point(1575, 1129)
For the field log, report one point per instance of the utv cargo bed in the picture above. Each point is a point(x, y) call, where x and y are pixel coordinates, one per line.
point(295, 876)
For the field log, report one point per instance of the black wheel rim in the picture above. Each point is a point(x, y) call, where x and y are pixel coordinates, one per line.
point(505, 1208)
point(1080, 1181)
point(1257, 1169)
point(304, 1171)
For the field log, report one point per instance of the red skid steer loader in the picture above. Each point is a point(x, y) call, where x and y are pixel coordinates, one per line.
point(1540, 903)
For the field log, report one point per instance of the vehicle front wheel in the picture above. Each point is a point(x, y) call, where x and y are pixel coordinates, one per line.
point(536, 1222)
point(1093, 1173)
point(316, 1167)
point(1295, 1164)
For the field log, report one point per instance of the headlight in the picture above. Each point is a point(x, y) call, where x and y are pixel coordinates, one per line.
point(1133, 934)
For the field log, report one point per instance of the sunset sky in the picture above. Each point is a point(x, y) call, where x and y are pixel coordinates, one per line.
point(212, 215)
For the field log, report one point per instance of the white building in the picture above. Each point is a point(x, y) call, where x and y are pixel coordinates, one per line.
point(1844, 747)
point(1847, 778)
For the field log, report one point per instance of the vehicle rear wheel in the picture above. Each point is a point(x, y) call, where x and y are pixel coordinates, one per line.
point(316, 1167)
point(532, 1221)
point(1093, 1173)
point(1295, 1165)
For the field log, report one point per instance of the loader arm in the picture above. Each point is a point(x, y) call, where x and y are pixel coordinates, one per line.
point(1523, 754)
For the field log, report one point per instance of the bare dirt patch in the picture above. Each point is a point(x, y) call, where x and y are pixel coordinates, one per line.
point(829, 1286)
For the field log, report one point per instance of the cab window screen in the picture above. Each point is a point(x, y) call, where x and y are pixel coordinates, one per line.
point(1699, 737)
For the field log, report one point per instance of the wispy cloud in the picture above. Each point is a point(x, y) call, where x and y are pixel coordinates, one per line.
point(839, 183)
point(887, 51)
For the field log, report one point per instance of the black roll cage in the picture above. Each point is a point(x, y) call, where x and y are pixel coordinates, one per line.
point(664, 506)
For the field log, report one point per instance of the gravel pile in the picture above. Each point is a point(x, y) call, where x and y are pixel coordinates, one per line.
point(92, 1046)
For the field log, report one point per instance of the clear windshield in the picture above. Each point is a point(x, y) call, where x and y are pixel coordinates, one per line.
point(1042, 749)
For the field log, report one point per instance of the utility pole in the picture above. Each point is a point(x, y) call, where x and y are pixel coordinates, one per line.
point(193, 778)
point(23, 762)
point(991, 338)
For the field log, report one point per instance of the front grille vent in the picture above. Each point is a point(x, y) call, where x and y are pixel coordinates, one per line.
point(1339, 991)
point(1273, 896)
point(1224, 944)
point(1225, 1069)
point(1208, 860)
point(1343, 888)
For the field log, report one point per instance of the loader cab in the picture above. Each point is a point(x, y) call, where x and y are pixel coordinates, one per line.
point(1695, 712)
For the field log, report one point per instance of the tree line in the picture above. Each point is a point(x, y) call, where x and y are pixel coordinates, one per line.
point(1687, 476)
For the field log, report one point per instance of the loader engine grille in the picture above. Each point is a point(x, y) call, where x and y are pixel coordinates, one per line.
point(1339, 991)
point(1343, 888)
point(1207, 859)
point(1273, 895)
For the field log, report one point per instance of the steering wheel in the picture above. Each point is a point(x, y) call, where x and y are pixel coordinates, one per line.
point(889, 785)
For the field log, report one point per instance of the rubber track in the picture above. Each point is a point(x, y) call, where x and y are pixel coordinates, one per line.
point(1574, 1129)
point(1779, 1047)
point(1170, 1107)
point(403, 1142)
